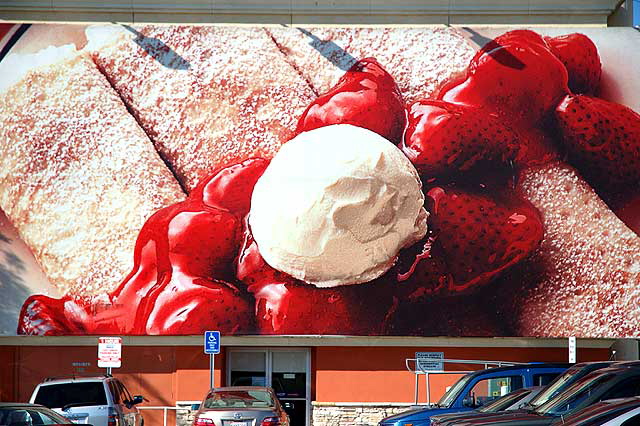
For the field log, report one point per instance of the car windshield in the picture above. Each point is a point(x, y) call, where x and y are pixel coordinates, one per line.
point(453, 392)
point(239, 399)
point(554, 387)
point(79, 393)
point(575, 397)
point(504, 402)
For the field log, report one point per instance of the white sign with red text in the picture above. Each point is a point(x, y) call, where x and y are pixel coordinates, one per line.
point(109, 352)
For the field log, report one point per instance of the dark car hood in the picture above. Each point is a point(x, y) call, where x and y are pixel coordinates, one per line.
point(508, 419)
point(421, 414)
point(454, 418)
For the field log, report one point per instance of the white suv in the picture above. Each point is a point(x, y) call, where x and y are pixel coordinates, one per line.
point(99, 401)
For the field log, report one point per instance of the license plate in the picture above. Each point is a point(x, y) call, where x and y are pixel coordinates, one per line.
point(235, 424)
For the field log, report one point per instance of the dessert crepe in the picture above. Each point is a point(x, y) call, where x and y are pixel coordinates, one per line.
point(78, 176)
point(419, 59)
point(207, 96)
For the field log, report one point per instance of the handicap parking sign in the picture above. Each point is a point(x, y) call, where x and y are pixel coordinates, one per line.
point(211, 342)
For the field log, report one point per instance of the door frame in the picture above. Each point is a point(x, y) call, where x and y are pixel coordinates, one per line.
point(269, 351)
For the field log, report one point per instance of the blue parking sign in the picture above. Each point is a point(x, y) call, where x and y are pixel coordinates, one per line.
point(211, 342)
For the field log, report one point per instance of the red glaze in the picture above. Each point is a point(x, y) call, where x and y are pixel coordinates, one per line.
point(443, 139)
point(366, 96)
point(285, 305)
point(230, 188)
point(481, 234)
point(603, 141)
point(514, 75)
point(629, 213)
point(580, 56)
point(421, 272)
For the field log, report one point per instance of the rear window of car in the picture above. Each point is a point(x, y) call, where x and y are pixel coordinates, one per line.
point(544, 379)
point(30, 416)
point(78, 394)
point(239, 399)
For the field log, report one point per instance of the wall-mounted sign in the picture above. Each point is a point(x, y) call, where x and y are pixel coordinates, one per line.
point(429, 361)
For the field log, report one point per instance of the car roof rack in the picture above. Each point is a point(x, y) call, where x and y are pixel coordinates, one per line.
point(77, 376)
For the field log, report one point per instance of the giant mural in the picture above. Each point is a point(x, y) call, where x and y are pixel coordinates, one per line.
point(428, 181)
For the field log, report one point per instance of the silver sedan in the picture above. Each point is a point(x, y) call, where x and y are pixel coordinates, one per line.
point(241, 406)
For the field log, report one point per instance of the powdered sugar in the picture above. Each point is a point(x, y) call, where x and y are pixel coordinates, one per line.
point(232, 95)
point(419, 59)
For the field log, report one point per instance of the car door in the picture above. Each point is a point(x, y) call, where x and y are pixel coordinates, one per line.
point(490, 387)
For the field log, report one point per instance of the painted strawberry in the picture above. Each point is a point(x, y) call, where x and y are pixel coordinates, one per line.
point(516, 75)
point(482, 235)
point(602, 139)
point(46, 316)
point(288, 306)
point(580, 56)
point(366, 96)
point(231, 188)
point(442, 138)
point(192, 306)
point(184, 249)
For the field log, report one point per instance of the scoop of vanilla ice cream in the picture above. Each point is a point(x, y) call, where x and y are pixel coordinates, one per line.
point(336, 205)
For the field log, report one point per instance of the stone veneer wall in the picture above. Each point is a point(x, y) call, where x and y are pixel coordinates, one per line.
point(185, 414)
point(352, 414)
point(323, 413)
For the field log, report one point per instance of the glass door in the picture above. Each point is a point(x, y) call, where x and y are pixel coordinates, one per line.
point(289, 381)
point(286, 370)
point(248, 368)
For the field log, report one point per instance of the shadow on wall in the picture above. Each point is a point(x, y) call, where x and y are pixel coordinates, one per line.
point(12, 286)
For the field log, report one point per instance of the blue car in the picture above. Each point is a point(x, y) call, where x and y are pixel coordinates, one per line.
point(478, 388)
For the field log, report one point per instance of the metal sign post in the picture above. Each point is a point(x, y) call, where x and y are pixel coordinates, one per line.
point(211, 347)
point(572, 349)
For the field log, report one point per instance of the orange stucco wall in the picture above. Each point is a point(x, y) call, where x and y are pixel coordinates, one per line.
point(166, 374)
point(378, 374)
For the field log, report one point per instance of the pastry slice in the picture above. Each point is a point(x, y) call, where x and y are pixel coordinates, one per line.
point(584, 280)
point(419, 59)
point(207, 96)
point(78, 176)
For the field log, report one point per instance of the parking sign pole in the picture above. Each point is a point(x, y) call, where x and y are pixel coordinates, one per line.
point(211, 369)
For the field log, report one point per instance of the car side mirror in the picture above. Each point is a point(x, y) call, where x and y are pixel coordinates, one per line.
point(468, 402)
point(137, 399)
